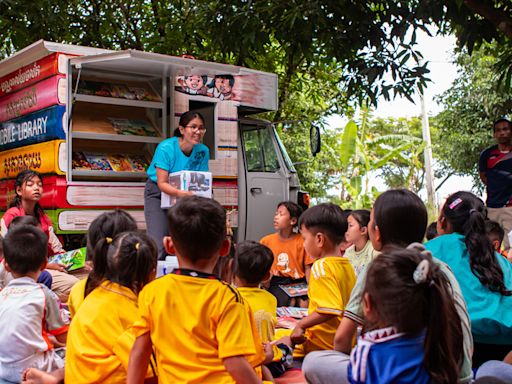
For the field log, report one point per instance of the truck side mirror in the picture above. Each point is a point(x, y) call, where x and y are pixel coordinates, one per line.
point(314, 140)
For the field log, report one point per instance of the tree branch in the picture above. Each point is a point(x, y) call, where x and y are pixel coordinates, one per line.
point(499, 18)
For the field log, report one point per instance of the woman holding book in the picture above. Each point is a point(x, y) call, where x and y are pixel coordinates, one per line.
point(183, 152)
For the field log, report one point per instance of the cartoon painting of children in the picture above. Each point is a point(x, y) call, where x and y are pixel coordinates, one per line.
point(193, 85)
point(221, 87)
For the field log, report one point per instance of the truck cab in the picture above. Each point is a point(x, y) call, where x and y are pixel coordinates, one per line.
point(89, 120)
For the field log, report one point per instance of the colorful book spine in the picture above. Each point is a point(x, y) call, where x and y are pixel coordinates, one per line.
point(33, 98)
point(32, 73)
point(58, 194)
point(48, 157)
point(45, 125)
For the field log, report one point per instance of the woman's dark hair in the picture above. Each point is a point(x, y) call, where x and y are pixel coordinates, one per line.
point(401, 217)
point(362, 216)
point(132, 260)
point(414, 303)
point(99, 236)
point(466, 213)
point(185, 119)
point(21, 178)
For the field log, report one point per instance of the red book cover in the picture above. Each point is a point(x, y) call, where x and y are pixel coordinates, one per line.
point(32, 73)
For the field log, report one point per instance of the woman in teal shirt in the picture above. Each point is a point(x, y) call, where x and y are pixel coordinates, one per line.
point(183, 152)
point(484, 276)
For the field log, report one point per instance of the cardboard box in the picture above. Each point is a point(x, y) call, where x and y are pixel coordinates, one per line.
point(199, 183)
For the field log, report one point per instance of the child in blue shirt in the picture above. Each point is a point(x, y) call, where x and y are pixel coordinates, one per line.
point(416, 334)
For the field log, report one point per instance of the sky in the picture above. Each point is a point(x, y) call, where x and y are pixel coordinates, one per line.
point(438, 51)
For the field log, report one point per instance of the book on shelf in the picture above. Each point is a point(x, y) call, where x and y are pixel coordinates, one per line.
point(72, 260)
point(117, 90)
point(139, 163)
point(295, 290)
point(98, 161)
point(79, 161)
point(132, 127)
point(119, 163)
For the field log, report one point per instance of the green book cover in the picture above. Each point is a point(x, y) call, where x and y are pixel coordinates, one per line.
point(73, 260)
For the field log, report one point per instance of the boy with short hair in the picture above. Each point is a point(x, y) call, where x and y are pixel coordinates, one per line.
point(251, 268)
point(496, 234)
point(199, 326)
point(332, 278)
point(291, 262)
point(29, 312)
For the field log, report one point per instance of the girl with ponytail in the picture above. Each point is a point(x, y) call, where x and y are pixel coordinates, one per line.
point(414, 332)
point(99, 337)
point(99, 237)
point(485, 277)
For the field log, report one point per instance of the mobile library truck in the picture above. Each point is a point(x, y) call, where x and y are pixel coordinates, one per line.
point(90, 119)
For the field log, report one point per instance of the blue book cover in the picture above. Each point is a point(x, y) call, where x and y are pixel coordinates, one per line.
point(37, 127)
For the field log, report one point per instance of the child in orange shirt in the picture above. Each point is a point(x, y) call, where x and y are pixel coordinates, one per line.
point(291, 263)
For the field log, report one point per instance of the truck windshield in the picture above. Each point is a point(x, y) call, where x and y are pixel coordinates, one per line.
point(287, 160)
point(259, 150)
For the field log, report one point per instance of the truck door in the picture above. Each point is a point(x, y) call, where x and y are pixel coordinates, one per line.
point(263, 179)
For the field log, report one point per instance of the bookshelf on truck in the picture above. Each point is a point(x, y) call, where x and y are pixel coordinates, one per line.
point(90, 119)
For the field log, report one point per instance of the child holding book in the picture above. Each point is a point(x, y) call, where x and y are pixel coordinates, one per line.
point(332, 277)
point(99, 340)
point(199, 326)
point(102, 231)
point(251, 267)
point(291, 263)
point(29, 190)
point(361, 253)
point(29, 312)
point(415, 333)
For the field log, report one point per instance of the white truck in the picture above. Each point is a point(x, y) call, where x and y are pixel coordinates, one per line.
point(89, 120)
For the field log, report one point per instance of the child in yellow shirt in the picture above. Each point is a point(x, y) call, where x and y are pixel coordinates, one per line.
point(251, 268)
point(332, 278)
point(99, 339)
point(199, 326)
point(291, 263)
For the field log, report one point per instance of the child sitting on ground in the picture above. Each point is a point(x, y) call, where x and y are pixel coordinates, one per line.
point(96, 349)
point(361, 253)
point(291, 263)
point(29, 312)
point(29, 191)
point(199, 326)
point(323, 228)
point(495, 233)
point(102, 231)
point(251, 268)
point(416, 334)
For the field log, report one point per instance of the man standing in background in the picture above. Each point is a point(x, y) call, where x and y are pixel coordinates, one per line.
point(495, 166)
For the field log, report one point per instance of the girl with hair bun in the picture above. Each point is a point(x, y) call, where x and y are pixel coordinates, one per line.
point(415, 333)
point(485, 277)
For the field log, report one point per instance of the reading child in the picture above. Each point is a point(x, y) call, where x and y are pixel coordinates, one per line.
point(291, 264)
point(361, 252)
point(99, 344)
point(102, 230)
point(251, 268)
point(29, 312)
point(332, 277)
point(415, 332)
point(29, 190)
point(198, 325)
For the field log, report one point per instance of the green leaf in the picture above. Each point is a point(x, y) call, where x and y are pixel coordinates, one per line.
point(348, 143)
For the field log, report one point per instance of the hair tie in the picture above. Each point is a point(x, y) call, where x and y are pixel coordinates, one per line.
point(420, 273)
point(108, 240)
point(472, 210)
point(137, 245)
point(455, 202)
